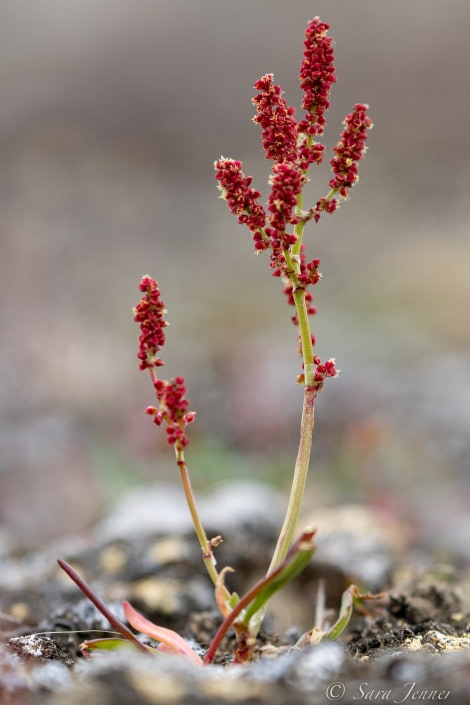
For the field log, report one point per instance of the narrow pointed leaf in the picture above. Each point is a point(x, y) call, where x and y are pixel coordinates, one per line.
point(173, 642)
point(225, 606)
point(276, 581)
point(105, 645)
point(351, 597)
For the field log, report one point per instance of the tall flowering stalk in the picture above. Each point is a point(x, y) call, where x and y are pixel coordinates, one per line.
point(279, 228)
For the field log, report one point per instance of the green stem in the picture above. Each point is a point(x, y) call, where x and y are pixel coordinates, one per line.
point(308, 412)
point(205, 544)
point(299, 479)
point(206, 548)
point(307, 423)
point(305, 335)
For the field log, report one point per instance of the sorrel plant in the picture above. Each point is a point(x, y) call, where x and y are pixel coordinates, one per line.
point(292, 146)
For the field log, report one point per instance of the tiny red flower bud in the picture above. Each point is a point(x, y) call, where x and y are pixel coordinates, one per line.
point(329, 206)
point(158, 418)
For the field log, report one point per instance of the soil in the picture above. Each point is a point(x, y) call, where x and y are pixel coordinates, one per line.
point(411, 644)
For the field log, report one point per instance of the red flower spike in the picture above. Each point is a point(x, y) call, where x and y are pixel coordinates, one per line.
point(317, 74)
point(286, 181)
point(172, 403)
point(276, 118)
point(174, 409)
point(241, 198)
point(150, 312)
point(350, 149)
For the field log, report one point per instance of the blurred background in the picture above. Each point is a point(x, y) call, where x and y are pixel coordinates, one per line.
point(111, 115)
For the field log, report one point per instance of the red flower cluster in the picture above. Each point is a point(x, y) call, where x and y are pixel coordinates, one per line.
point(349, 152)
point(276, 118)
point(172, 403)
point(173, 408)
point(241, 198)
point(309, 275)
point(323, 370)
point(327, 205)
point(286, 183)
point(350, 149)
point(290, 144)
point(150, 313)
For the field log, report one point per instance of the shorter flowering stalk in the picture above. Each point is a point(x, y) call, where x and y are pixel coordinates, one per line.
point(205, 544)
point(173, 407)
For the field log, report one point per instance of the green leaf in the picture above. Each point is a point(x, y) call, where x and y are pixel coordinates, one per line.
point(110, 644)
point(290, 569)
point(351, 598)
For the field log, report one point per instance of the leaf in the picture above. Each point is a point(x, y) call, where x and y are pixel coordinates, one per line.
point(351, 598)
point(225, 606)
point(171, 642)
point(296, 561)
point(107, 645)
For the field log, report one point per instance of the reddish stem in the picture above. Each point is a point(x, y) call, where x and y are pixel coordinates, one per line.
point(100, 605)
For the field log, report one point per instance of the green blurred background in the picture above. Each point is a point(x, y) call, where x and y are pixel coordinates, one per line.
point(111, 116)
